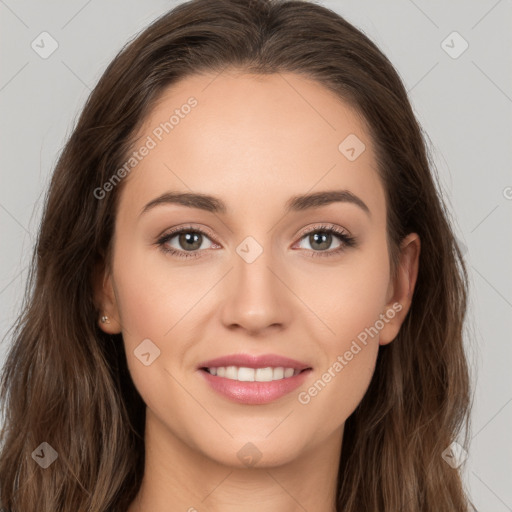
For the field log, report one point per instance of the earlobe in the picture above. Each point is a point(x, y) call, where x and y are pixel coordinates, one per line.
point(402, 289)
point(105, 301)
point(109, 324)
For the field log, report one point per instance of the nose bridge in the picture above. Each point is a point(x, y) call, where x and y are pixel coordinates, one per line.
point(255, 297)
point(252, 263)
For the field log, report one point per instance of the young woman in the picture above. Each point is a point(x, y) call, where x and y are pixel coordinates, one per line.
point(246, 293)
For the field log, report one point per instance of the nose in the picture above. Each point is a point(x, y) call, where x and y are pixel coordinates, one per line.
point(256, 298)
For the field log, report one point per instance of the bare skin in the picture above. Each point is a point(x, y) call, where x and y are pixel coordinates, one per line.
point(253, 142)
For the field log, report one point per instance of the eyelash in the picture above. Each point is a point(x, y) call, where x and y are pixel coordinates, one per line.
point(347, 241)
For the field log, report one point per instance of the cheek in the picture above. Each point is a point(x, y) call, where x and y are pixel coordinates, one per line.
point(348, 296)
point(349, 299)
point(337, 389)
point(151, 298)
point(157, 300)
point(152, 301)
point(351, 304)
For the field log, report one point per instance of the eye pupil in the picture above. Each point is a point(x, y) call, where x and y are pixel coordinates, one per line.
point(189, 241)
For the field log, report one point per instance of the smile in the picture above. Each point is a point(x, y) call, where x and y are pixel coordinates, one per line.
point(257, 388)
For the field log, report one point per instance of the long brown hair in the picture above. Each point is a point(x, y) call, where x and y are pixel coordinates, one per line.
point(65, 382)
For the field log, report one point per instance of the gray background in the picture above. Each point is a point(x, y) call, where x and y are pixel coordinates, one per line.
point(463, 103)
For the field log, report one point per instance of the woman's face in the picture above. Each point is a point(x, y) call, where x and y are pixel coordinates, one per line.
point(263, 276)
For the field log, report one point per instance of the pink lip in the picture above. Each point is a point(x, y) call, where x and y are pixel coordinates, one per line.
point(254, 393)
point(249, 361)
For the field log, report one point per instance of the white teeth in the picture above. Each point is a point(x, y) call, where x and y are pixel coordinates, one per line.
point(231, 372)
point(244, 374)
point(288, 372)
point(264, 375)
point(279, 373)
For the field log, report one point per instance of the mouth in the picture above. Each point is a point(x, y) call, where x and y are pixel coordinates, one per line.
point(254, 380)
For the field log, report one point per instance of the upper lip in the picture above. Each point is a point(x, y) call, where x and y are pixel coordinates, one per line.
point(250, 361)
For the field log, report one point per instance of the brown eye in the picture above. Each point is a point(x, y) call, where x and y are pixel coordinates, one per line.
point(320, 241)
point(184, 243)
point(190, 242)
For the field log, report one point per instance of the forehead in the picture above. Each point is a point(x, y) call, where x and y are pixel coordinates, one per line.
point(247, 138)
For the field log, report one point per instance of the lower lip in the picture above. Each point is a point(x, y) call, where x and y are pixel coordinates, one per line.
point(254, 393)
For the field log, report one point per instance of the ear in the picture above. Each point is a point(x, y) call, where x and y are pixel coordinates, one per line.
point(401, 289)
point(105, 299)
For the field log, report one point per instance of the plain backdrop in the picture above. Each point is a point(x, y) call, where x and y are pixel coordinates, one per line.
point(463, 100)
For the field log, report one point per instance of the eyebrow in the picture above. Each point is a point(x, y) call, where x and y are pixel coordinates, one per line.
point(294, 204)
